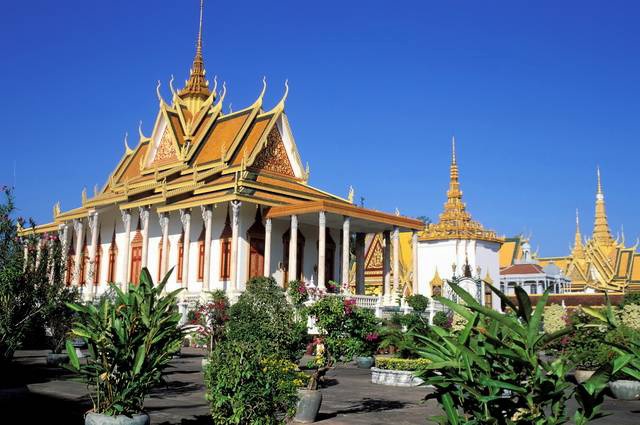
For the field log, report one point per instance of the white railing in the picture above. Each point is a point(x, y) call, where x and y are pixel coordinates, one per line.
point(362, 301)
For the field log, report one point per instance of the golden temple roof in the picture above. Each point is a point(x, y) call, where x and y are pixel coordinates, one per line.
point(455, 221)
point(601, 231)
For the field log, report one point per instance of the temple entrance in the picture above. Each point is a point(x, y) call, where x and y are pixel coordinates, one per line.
point(300, 257)
point(329, 256)
point(255, 235)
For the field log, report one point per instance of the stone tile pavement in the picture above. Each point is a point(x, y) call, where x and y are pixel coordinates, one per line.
point(36, 393)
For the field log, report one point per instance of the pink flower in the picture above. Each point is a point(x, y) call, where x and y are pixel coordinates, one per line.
point(372, 337)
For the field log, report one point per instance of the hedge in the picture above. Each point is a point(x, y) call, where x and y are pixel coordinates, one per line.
point(394, 363)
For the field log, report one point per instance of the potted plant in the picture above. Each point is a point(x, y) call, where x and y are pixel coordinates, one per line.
point(624, 385)
point(343, 331)
point(130, 339)
point(586, 346)
point(368, 347)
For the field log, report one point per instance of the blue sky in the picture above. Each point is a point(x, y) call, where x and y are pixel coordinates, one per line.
point(536, 93)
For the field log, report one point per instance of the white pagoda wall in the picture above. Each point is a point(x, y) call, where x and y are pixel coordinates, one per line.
point(441, 255)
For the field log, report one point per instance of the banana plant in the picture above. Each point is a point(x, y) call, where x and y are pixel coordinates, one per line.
point(130, 339)
point(490, 372)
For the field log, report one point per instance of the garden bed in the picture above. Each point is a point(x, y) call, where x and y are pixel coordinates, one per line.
point(397, 372)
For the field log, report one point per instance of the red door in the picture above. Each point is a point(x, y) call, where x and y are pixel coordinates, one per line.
point(256, 257)
point(136, 264)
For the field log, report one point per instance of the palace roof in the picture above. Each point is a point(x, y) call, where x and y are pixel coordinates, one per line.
point(198, 155)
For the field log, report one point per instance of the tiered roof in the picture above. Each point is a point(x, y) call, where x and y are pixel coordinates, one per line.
point(455, 221)
point(198, 155)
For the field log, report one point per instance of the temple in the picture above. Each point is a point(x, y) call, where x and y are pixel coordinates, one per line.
point(600, 263)
point(457, 246)
point(220, 198)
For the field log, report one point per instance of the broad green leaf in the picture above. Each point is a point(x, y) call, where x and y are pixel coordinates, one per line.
point(73, 356)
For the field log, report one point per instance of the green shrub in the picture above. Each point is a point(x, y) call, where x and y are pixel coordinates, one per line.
point(442, 320)
point(490, 372)
point(346, 329)
point(245, 385)
point(131, 340)
point(394, 363)
point(263, 316)
point(419, 303)
point(630, 298)
point(20, 308)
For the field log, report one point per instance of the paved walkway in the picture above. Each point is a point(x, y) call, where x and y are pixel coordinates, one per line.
point(35, 393)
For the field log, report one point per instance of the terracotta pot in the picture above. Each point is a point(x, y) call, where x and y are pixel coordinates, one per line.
point(308, 406)
point(582, 375)
point(99, 419)
point(624, 389)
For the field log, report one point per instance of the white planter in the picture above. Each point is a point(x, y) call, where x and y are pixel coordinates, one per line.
point(396, 378)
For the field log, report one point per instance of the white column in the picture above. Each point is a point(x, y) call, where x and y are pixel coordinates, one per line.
point(164, 225)
point(144, 219)
point(346, 236)
point(267, 247)
point(396, 261)
point(322, 244)
point(79, 229)
point(360, 263)
point(386, 263)
point(126, 220)
point(185, 218)
point(293, 249)
point(63, 234)
point(92, 224)
point(207, 216)
point(235, 224)
point(414, 275)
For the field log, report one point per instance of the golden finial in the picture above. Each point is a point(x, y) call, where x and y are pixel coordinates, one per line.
point(158, 92)
point(197, 85)
point(84, 195)
point(140, 130)
point(127, 149)
point(173, 90)
point(351, 194)
point(95, 190)
point(599, 181)
point(280, 105)
point(307, 172)
point(453, 149)
point(56, 209)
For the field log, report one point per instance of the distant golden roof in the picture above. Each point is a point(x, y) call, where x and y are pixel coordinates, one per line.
point(455, 221)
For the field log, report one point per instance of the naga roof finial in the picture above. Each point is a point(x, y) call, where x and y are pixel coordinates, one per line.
point(158, 92)
point(127, 149)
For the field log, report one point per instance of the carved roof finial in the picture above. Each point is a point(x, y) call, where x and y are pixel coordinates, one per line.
point(197, 85)
point(127, 149)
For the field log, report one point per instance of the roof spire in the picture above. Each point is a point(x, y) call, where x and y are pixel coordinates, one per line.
point(453, 149)
point(197, 85)
point(578, 249)
point(601, 231)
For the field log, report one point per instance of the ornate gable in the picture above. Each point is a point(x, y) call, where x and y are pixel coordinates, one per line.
point(274, 157)
point(166, 152)
point(373, 260)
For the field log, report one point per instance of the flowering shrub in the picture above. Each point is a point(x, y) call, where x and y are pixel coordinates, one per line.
point(210, 319)
point(298, 292)
point(247, 384)
point(630, 316)
point(442, 320)
point(394, 363)
point(332, 287)
point(554, 318)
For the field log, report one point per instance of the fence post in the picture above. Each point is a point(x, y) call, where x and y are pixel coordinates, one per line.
point(431, 312)
point(379, 307)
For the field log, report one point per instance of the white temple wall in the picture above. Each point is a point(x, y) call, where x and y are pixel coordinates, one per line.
point(279, 227)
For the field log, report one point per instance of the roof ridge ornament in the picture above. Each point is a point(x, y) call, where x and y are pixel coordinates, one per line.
point(197, 85)
point(127, 149)
point(142, 136)
point(173, 90)
point(158, 93)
